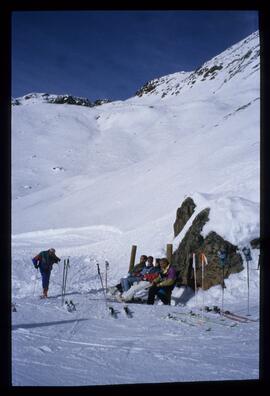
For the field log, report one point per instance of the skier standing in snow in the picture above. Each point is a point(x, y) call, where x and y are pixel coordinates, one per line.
point(44, 261)
point(163, 285)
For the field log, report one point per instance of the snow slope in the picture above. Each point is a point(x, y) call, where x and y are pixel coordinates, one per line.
point(92, 181)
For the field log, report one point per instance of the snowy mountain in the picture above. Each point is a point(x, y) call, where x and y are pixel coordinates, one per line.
point(221, 68)
point(92, 181)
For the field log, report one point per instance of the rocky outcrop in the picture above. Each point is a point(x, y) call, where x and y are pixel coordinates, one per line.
point(255, 243)
point(146, 88)
point(68, 99)
point(59, 99)
point(15, 102)
point(194, 242)
point(183, 214)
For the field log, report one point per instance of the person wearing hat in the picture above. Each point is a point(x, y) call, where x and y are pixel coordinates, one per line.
point(44, 261)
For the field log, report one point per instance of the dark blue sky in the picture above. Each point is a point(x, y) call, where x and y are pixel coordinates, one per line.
point(111, 54)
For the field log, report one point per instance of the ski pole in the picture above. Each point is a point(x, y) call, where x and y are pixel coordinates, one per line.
point(203, 262)
point(106, 275)
point(259, 262)
point(248, 257)
point(36, 276)
point(195, 277)
point(202, 285)
point(222, 301)
point(248, 286)
point(64, 270)
point(65, 284)
point(105, 299)
point(222, 261)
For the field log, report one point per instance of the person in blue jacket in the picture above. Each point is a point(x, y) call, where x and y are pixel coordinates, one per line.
point(44, 261)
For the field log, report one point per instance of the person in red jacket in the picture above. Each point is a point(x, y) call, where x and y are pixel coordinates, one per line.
point(148, 274)
point(44, 261)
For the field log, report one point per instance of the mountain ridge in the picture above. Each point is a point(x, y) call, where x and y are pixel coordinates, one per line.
point(172, 82)
point(208, 70)
point(101, 164)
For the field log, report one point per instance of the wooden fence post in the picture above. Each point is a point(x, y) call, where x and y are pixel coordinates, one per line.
point(169, 252)
point(132, 258)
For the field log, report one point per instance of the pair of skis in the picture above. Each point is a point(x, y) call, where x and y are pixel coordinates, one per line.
point(196, 319)
point(188, 320)
point(219, 321)
point(111, 309)
point(114, 313)
point(236, 317)
point(70, 306)
point(231, 315)
point(64, 280)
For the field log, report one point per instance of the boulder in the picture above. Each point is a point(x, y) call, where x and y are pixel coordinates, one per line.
point(194, 242)
point(255, 243)
point(183, 214)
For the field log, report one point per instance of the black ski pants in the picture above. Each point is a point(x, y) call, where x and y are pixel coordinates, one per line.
point(164, 293)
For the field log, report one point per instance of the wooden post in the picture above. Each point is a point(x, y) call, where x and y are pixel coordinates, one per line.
point(132, 258)
point(169, 252)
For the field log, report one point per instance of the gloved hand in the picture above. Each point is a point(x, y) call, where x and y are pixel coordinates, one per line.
point(36, 266)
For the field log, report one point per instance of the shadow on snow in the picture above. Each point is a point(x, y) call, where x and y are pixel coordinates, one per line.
point(32, 325)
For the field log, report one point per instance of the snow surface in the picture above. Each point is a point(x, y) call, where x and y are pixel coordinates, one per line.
point(92, 182)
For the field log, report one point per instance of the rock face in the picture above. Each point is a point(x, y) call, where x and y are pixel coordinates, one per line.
point(194, 242)
point(183, 214)
point(59, 99)
point(255, 243)
point(146, 88)
point(69, 99)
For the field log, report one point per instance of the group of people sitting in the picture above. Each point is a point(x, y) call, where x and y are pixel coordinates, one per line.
point(157, 276)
